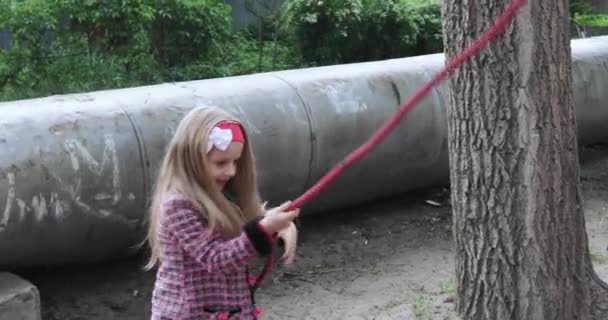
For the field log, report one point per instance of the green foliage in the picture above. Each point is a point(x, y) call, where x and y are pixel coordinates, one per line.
point(31, 24)
point(592, 20)
point(65, 46)
point(580, 7)
point(111, 26)
point(586, 21)
point(387, 31)
point(345, 31)
point(243, 57)
point(325, 31)
point(427, 19)
point(187, 31)
point(239, 56)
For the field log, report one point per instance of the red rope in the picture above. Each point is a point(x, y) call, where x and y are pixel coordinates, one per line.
point(381, 133)
point(499, 25)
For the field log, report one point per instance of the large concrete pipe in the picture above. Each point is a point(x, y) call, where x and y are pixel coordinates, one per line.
point(76, 170)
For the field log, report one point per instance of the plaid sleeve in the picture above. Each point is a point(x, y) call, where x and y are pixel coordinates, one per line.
point(210, 249)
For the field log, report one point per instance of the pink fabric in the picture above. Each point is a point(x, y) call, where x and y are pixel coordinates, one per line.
point(201, 274)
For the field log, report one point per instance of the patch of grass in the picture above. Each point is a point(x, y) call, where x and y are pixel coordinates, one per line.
point(448, 286)
point(421, 308)
point(599, 257)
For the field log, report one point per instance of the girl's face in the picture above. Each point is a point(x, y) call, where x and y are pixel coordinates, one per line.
point(222, 164)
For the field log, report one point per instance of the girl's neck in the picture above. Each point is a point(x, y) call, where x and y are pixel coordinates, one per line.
point(230, 196)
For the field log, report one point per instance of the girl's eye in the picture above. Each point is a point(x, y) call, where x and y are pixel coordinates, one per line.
point(223, 163)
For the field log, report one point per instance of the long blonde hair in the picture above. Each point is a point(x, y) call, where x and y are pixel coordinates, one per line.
point(184, 170)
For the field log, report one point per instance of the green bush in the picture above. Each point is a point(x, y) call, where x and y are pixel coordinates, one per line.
point(113, 26)
point(65, 46)
point(243, 56)
point(592, 20)
point(345, 31)
point(586, 20)
point(31, 24)
point(429, 34)
point(187, 31)
point(580, 7)
point(325, 32)
point(388, 30)
point(62, 46)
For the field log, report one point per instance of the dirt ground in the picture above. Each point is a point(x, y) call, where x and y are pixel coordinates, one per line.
point(388, 260)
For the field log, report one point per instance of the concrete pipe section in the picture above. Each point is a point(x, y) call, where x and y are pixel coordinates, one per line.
point(76, 170)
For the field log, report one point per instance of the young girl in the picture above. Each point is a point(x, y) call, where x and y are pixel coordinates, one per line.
point(206, 223)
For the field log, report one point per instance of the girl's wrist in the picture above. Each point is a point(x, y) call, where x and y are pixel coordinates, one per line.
point(264, 224)
point(262, 240)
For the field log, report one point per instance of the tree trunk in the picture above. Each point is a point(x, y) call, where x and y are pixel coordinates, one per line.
point(521, 243)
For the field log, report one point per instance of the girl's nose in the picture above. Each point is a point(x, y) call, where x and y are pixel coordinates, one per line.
point(231, 171)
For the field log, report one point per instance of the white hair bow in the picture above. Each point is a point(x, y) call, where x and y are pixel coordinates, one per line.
point(219, 138)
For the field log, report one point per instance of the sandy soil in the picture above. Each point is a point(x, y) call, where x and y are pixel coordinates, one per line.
point(389, 260)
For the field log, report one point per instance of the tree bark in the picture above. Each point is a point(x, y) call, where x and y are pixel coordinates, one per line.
point(519, 227)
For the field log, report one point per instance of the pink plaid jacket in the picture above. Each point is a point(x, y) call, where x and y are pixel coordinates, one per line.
point(204, 275)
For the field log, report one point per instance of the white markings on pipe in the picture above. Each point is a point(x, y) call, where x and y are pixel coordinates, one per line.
point(10, 197)
point(22, 208)
point(39, 205)
point(109, 157)
point(42, 206)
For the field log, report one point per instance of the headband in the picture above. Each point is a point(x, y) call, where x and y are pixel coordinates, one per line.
point(223, 134)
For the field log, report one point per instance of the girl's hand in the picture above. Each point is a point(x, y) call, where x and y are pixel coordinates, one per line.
point(290, 239)
point(277, 219)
